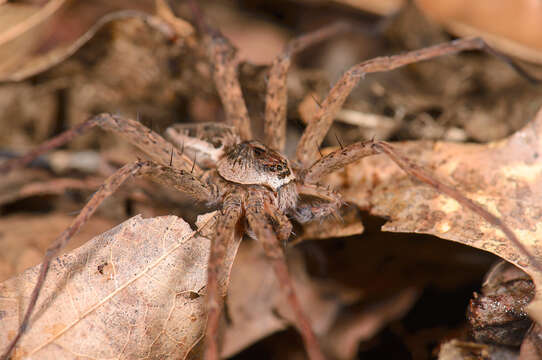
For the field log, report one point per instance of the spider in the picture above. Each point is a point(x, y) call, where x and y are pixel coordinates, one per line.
point(257, 190)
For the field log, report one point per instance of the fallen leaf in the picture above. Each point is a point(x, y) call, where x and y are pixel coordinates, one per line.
point(464, 350)
point(531, 348)
point(35, 38)
point(136, 291)
point(513, 27)
point(24, 238)
point(257, 307)
point(510, 26)
point(353, 328)
point(504, 176)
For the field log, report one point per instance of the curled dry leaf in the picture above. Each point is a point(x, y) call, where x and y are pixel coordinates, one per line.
point(135, 291)
point(35, 38)
point(503, 176)
point(512, 26)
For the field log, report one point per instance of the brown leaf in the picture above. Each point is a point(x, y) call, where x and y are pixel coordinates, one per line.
point(531, 348)
point(513, 27)
point(257, 307)
point(353, 328)
point(504, 176)
point(464, 350)
point(135, 291)
point(34, 38)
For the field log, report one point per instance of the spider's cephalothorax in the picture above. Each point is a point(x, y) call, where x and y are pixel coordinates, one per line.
point(238, 162)
point(251, 162)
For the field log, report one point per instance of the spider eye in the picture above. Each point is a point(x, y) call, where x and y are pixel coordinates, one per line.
point(279, 167)
point(258, 151)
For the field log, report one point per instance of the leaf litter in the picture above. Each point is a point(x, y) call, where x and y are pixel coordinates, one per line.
point(505, 176)
point(376, 185)
point(135, 291)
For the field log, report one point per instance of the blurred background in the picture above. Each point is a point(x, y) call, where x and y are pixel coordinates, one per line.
point(385, 295)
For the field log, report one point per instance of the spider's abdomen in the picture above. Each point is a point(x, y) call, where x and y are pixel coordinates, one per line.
point(252, 163)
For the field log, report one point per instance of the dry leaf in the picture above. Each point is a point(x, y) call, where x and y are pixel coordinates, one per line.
point(256, 304)
point(531, 348)
point(353, 328)
point(135, 291)
point(35, 38)
point(512, 26)
point(24, 238)
point(503, 176)
point(464, 350)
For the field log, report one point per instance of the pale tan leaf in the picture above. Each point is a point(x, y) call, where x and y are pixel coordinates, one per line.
point(512, 26)
point(136, 291)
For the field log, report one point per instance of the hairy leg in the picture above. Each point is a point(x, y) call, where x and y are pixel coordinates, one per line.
point(222, 55)
point(179, 179)
point(136, 133)
point(342, 157)
point(420, 174)
point(258, 209)
point(337, 160)
point(225, 232)
point(307, 149)
point(326, 202)
point(276, 100)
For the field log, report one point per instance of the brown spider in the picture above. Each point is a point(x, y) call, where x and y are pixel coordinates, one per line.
point(257, 190)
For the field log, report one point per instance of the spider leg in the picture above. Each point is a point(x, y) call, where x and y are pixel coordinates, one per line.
point(307, 149)
point(136, 133)
point(282, 225)
point(179, 179)
point(337, 160)
point(258, 210)
point(342, 157)
point(306, 212)
point(420, 174)
point(222, 55)
point(225, 232)
point(276, 98)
